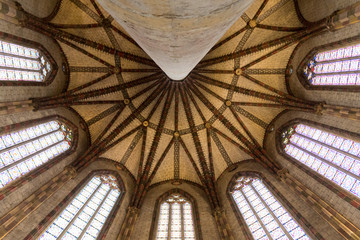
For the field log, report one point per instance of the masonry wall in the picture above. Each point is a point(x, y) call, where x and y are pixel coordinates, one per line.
point(207, 221)
point(314, 10)
point(12, 200)
point(301, 206)
point(32, 221)
point(330, 197)
point(40, 8)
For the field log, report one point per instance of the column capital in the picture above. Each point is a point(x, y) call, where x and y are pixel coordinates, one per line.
point(281, 174)
point(71, 171)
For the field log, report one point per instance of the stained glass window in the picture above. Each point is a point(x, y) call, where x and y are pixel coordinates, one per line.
point(336, 158)
point(85, 216)
point(265, 217)
point(20, 63)
point(335, 67)
point(175, 219)
point(26, 149)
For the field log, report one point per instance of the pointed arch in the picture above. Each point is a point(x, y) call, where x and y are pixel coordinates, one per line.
point(89, 208)
point(263, 212)
point(187, 210)
point(330, 155)
point(29, 148)
point(24, 62)
point(334, 66)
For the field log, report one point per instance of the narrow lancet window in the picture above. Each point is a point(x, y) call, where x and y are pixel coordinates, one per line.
point(265, 217)
point(24, 150)
point(21, 63)
point(86, 214)
point(334, 157)
point(335, 67)
point(175, 219)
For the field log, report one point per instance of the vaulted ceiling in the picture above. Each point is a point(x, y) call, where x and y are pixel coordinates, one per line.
point(178, 129)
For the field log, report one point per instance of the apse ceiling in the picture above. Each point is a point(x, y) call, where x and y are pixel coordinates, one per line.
point(178, 129)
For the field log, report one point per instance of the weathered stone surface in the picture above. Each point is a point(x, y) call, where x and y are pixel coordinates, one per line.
point(176, 33)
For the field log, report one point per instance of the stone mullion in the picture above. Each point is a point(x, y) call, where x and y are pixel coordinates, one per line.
point(343, 226)
point(250, 92)
point(139, 190)
point(269, 165)
point(292, 38)
point(94, 151)
point(15, 216)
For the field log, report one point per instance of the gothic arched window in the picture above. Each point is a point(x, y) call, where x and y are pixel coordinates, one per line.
point(85, 216)
point(340, 66)
point(23, 150)
point(264, 215)
point(335, 157)
point(176, 219)
point(24, 61)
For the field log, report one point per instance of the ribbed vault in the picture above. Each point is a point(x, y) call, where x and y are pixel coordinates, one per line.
point(183, 130)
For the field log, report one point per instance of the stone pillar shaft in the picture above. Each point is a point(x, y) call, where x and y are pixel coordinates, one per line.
point(222, 224)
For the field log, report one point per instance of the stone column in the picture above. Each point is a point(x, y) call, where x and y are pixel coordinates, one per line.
point(176, 34)
point(222, 224)
point(343, 226)
point(128, 224)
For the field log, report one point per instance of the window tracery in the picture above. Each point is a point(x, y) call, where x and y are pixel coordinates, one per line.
point(334, 67)
point(334, 157)
point(26, 149)
point(22, 63)
point(176, 221)
point(86, 214)
point(264, 215)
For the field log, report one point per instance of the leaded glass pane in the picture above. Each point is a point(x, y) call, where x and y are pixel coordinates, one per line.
point(334, 157)
point(265, 217)
point(26, 149)
point(175, 219)
point(335, 67)
point(19, 63)
point(85, 215)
